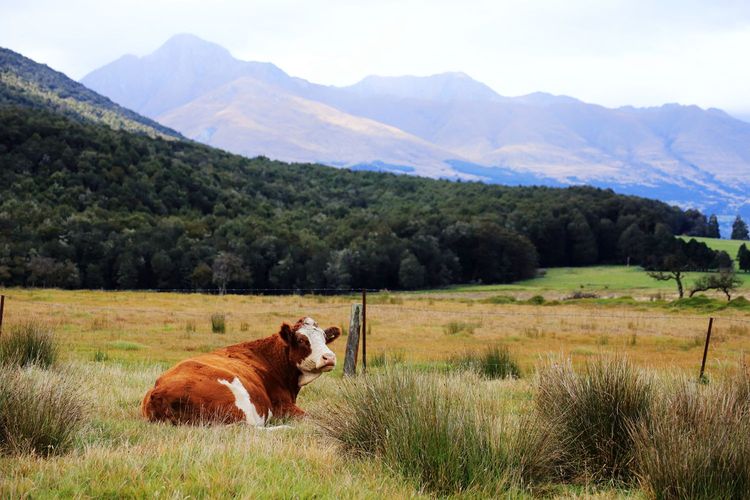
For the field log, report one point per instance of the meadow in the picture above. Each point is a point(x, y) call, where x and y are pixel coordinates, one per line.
point(117, 343)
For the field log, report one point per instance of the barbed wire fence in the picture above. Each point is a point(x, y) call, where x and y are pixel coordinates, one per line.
point(352, 304)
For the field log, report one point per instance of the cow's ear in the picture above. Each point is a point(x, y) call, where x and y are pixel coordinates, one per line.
point(332, 333)
point(286, 334)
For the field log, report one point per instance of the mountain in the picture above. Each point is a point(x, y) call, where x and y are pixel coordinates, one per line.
point(25, 82)
point(445, 125)
point(181, 70)
point(87, 202)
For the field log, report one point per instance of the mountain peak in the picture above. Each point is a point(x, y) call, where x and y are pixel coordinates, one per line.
point(190, 45)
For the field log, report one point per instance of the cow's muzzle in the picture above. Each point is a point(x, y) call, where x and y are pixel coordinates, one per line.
point(327, 362)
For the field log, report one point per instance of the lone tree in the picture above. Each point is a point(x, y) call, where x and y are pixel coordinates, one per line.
point(228, 268)
point(712, 231)
point(725, 281)
point(739, 229)
point(673, 268)
point(743, 258)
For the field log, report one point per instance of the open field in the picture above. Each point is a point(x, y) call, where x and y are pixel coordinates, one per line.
point(604, 280)
point(143, 333)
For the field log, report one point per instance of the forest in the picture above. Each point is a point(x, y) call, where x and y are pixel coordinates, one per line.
point(86, 206)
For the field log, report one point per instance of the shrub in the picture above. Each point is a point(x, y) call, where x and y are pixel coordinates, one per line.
point(31, 342)
point(458, 327)
point(697, 442)
point(536, 300)
point(100, 356)
point(436, 430)
point(217, 323)
point(495, 362)
point(590, 414)
point(40, 412)
point(190, 326)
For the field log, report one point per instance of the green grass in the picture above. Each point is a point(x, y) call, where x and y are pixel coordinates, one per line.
point(598, 278)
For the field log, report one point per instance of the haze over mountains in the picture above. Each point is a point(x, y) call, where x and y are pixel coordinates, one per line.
point(445, 125)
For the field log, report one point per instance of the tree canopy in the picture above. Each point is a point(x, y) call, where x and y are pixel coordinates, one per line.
point(82, 205)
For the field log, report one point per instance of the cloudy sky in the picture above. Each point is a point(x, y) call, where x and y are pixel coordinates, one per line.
point(611, 52)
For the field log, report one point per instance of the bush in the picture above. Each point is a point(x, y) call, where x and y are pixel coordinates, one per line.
point(27, 343)
point(100, 356)
point(536, 300)
point(40, 412)
point(494, 362)
point(438, 431)
point(697, 442)
point(217, 323)
point(458, 327)
point(590, 415)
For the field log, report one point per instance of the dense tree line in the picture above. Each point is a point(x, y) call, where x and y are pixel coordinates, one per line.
point(82, 205)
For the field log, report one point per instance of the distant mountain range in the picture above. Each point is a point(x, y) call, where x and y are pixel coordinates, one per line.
point(445, 125)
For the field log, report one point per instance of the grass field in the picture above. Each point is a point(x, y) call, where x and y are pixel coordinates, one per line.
point(144, 333)
point(605, 280)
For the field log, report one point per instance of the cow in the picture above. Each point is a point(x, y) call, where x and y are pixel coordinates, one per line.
point(248, 382)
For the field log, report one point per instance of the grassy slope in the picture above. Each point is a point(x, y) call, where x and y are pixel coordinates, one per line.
point(143, 333)
point(620, 279)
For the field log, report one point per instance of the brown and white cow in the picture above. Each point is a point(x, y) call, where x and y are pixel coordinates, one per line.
point(247, 382)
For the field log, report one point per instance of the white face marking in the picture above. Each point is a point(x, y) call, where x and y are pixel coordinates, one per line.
point(321, 356)
point(242, 401)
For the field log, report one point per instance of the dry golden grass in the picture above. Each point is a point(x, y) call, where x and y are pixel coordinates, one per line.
point(164, 327)
point(143, 333)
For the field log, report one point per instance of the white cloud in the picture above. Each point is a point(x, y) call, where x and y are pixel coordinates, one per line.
point(611, 52)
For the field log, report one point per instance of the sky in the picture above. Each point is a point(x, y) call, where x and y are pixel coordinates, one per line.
point(609, 52)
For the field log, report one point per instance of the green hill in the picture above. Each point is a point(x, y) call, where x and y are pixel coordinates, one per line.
point(25, 82)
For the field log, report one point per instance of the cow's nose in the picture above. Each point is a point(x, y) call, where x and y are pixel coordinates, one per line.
point(328, 359)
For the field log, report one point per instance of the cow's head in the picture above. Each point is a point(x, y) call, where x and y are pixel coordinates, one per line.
point(308, 348)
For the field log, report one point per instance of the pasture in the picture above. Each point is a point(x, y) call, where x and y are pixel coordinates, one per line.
point(117, 343)
point(606, 281)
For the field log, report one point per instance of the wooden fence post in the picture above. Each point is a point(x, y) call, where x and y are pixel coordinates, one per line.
point(352, 342)
point(2, 308)
point(705, 349)
point(364, 330)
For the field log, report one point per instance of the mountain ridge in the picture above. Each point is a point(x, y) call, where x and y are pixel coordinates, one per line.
point(539, 135)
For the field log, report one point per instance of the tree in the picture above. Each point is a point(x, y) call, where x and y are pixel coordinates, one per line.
point(712, 231)
point(229, 268)
point(673, 268)
point(743, 258)
point(739, 229)
point(411, 272)
point(201, 276)
point(725, 281)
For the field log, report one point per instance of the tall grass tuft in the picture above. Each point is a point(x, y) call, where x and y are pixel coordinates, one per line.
point(218, 324)
point(495, 362)
point(439, 431)
point(697, 442)
point(591, 413)
point(40, 411)
point(30, 342)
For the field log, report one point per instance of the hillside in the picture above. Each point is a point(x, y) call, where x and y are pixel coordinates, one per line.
point(445, 125)
point(82, 205)
point(24, 82)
